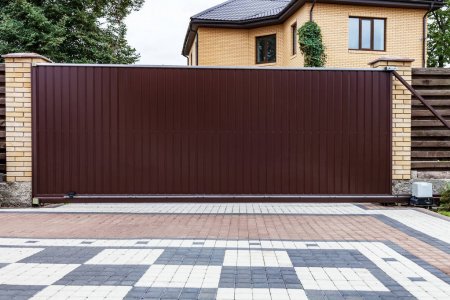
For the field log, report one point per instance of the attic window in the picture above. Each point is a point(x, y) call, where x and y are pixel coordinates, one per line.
point(266, 49)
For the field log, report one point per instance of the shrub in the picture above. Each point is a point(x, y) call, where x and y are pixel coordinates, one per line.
point(311, 45)
point(445, 198)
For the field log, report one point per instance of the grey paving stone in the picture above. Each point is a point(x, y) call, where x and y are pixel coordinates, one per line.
point(19, 292)
point(389, 259)
point(63, 255)
point(416, 278)
point(137, 293)
point(192, 256)
point(171, 293)
point(254, 243)
point(258, 277)
point(327, 258)
point(116, 275)
point(142, 243)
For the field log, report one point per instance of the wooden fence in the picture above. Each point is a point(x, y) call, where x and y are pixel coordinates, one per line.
point(2, 121)
point(430, 139)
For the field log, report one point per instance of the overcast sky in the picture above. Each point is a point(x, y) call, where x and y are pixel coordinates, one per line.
point(157, 31)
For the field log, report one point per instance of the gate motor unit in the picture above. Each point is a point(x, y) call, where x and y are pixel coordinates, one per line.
point(422, 194)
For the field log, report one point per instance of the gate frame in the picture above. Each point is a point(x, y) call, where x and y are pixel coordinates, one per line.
point(73, 198)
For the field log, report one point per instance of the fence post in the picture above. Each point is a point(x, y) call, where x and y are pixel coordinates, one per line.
point(401, 116)
point(18, 114)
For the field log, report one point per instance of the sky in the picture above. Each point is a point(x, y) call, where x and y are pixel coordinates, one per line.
point(157, 31)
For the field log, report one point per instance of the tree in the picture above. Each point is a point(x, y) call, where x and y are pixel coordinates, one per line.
point(439, 37)
point(311, 45)
point(70, 31)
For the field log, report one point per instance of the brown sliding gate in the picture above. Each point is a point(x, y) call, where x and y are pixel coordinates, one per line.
point(122, 133)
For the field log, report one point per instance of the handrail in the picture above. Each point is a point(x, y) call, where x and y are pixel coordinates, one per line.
point(421, 99)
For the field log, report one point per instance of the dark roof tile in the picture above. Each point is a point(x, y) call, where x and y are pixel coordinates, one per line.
point(239, 10)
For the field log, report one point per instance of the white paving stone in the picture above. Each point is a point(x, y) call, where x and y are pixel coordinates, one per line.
point(12, 255)
point(260, 294)
point(126, 257)
point(180, 276)
point(34, 274)
point(82, 292)
point(257, 258)
point(335, 279)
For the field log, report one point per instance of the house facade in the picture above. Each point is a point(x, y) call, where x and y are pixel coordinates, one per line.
point(264, 32)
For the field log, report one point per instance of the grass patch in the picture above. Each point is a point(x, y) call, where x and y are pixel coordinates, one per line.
point(444, 213)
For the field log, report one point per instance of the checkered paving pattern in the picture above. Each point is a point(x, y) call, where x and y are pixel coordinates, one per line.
point(224, 251)
point(214, 269)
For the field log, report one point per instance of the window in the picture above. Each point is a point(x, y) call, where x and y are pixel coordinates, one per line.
point(266, 49)
point(294, 38)
point(366, 34)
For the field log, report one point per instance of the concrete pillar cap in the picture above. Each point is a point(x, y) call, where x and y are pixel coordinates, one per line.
point(391, 59)
point(27, 55)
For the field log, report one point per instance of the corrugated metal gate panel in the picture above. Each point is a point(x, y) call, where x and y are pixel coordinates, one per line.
point(148, 131)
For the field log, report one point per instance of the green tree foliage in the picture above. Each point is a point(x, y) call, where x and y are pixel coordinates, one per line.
point(311, 45)
point(439, 37)
point(70, 31)
point(445, 198)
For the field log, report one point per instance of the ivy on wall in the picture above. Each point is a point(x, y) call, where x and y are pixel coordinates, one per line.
point(311, 45)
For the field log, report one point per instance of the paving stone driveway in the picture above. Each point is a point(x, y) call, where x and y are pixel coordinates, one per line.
point(224, 251)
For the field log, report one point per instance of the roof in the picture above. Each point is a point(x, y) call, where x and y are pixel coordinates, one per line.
point(236, 10)
point(255, 13)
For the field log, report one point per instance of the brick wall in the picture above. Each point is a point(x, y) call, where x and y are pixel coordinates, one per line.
point(401, 117)
point(18, 114)
point(2, 121)
point(236, 47)
point(217, 46)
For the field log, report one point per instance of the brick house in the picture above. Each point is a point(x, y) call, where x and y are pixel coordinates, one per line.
point(264, 32)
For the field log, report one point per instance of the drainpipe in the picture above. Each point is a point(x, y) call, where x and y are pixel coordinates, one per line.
point(424, 34)
point(311, 10)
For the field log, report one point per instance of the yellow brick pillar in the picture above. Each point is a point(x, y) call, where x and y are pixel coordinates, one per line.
point(18, 114)
point(401, 116)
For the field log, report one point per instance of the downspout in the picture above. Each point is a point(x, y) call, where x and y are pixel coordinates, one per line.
point(424, 34)
point(311, 10)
